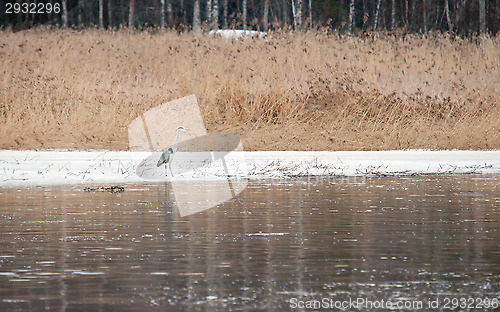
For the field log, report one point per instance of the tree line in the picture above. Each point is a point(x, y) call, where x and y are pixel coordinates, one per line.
point(455, 16)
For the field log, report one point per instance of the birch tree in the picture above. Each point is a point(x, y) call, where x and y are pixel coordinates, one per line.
point(459, 8)
point(209, 12)
point(101, 13)
point(215, 14)
point(81, 5)
point(65, 14)
point(462, 16)
point(245, 25)
point(351, 15)
point(265, 18)
point(196, 15)
point(297, 14)
point(377, 10)
point(482, 16)
point(224, 16)
point(166, 10)
point(170, 13)
point(110, 14)
point(393, 15)
point(183, 12)
point(424, 15)
point(406, 13)
point(131, 13)
point(310, 14)
point(447, 11)
point(162, 13)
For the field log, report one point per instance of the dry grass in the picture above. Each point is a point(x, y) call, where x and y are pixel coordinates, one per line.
point(312, 91)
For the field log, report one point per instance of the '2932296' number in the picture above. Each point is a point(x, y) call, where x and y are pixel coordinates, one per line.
point(471, 303)
point(32, 8)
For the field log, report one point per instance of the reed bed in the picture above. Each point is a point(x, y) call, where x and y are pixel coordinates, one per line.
point(80, 89)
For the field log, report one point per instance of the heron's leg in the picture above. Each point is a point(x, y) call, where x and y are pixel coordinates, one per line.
point(169, 165)
point(166, 170)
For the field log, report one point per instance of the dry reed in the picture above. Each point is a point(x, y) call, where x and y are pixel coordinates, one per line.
point(288, 91)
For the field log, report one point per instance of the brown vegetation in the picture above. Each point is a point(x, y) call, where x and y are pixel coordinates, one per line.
point(289, 91)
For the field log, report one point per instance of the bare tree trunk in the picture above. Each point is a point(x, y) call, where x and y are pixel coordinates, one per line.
point(170, 13)
point(131, 13)
point(375, 23)
point(196, 15)
point(393, 15)
point(101, 14)
point(459, 10)
point(482, 16)
point(310, 14)
point(436, 21)
point(162, 13)
point(406, 13)
point(265, 19)
point(299, 14)
point(183, 13)
point(414, 14)
point(424, 15)
point(215, 14)
point(245, 24)
point(225, 14)
point(65, 14)
point(365, 15)
point(81, 3)
point(110, 14)
point(209, 13)
point(448, 19)
point(351, 16)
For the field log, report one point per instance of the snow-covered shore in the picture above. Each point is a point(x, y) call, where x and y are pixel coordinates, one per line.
point(39, 168)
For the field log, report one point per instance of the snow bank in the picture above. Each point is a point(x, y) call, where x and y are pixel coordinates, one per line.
point(30, 168)
point(237, 33)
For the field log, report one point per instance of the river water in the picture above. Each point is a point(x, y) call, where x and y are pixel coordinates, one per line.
point(429, 243)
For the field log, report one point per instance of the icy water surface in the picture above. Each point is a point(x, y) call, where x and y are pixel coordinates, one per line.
point(425, 243)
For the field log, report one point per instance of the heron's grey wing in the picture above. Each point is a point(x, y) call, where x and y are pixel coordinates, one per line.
point(161, 160)
point(165, 157)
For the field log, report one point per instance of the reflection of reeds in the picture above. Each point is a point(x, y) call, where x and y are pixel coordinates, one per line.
point(313, 91)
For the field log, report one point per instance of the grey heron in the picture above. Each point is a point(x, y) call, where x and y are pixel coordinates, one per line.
point(168, 153)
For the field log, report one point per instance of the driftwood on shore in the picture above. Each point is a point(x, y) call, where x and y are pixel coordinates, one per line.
point(111, 189)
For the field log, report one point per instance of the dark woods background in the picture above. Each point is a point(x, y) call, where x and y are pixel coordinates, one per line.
point(465, 17)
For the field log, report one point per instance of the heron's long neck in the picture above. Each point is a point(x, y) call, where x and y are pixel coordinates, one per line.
point(177, 137)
